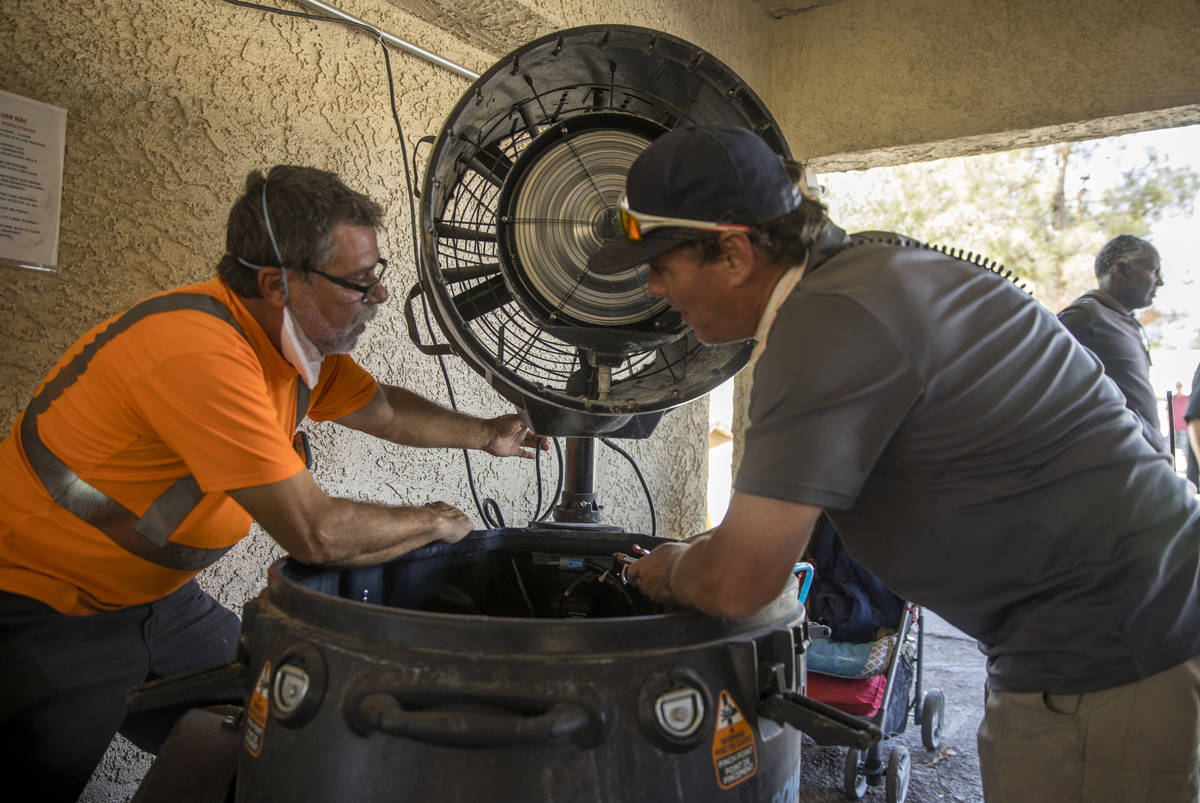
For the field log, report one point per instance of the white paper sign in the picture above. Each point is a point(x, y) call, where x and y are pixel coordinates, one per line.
point(33, 137)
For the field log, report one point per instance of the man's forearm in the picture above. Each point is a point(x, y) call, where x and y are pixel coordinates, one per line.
point(703, 578)
point(417, 421)
point(316, 528)
point(362, 534)
point(738, 567)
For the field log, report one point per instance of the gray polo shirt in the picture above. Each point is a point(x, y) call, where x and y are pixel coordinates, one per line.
point(975, 458)
point(1114, 335)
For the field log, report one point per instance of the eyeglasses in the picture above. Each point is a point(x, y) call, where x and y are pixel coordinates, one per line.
point(379, 269)
point(636, 224)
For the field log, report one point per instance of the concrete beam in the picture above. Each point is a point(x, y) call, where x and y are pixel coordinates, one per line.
point(872, 82)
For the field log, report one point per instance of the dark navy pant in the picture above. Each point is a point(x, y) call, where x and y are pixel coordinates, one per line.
point(63, 680)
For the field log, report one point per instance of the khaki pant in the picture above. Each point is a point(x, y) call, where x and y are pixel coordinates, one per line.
point(1138, 742)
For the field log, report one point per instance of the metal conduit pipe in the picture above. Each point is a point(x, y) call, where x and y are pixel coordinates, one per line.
point(317, 5)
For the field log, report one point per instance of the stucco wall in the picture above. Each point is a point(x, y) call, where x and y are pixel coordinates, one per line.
point(735, 31)
point(171, 102)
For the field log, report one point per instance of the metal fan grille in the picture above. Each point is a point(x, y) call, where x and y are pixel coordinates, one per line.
point(515, 336)
point(523, 185)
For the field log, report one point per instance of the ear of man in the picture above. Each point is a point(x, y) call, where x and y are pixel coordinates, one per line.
point(271, 286)
point(740, 256)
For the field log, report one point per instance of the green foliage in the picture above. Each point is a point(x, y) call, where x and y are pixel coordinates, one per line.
point(1042, 212)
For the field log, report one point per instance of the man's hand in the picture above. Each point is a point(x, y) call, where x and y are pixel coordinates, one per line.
point(736, 568)
point(509, 437)
point(449, 523)
point(652, 574)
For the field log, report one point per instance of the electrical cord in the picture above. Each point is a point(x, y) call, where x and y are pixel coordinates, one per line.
point(558, 486)
point(307, 16)
point(521, 585)
point(488, 508)
point(537, 469)
point(641, 479)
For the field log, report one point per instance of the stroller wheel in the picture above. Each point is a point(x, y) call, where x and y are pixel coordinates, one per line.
point(932, 712)
point(897, 775)
point(854, 779)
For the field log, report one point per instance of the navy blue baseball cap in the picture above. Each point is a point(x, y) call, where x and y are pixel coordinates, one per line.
point(711, 172)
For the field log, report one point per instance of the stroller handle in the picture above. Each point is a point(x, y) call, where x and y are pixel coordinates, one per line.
point(808, 571)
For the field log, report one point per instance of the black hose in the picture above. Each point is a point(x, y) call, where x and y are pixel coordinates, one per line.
point(641, 479)
point(558, 487)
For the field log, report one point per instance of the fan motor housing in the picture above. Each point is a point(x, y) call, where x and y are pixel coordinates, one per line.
point(522, 187)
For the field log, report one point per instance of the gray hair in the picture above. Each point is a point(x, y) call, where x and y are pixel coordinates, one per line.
point(1122, 248)
point(304, 205)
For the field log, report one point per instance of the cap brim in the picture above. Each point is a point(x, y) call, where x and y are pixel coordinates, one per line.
point(621, 254)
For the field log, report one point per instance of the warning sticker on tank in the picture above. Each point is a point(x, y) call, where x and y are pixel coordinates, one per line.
point(734, 752)
point(256, 721)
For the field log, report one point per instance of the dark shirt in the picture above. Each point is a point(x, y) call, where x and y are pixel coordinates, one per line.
point(1193, 413)
point(1114, 335)
point(975, 458)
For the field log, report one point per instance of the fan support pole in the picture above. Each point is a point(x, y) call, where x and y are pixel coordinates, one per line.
point(578, 502)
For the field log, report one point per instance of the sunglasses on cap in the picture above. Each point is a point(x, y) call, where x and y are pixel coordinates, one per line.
point(636, 224)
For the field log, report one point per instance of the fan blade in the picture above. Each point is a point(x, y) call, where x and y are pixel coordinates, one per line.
point(452, 232)
point(611, 342)
point(467, 272)
point(674, 356)
point(531, 125)
point(491, 163)
point(481, 299)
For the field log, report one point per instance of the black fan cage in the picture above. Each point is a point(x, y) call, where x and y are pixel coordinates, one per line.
point(522, 186)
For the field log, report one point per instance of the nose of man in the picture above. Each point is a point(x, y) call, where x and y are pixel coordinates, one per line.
point(654, 285)
point(379, 294)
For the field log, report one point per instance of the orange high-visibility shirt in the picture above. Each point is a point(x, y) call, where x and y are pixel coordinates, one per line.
point(176, 393)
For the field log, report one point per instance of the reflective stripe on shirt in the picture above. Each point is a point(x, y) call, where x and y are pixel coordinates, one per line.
point(147, 536)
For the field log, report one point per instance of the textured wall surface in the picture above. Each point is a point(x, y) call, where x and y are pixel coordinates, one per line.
point(732, 30)
point(170, 103)
point(869, 82)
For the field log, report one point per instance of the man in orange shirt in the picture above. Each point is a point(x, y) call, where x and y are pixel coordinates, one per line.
point(157, 438)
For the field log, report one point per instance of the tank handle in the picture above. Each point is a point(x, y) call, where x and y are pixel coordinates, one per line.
point(471, 722)
point(825, 724)
point(194, 687)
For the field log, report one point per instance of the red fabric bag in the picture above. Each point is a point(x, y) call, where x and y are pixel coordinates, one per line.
point(854, 696)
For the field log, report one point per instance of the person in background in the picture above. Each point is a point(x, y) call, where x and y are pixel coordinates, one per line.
point(970, 453)
point(1177, 415)
point(1128, 274)
point(156, 439)
point(1191, 415)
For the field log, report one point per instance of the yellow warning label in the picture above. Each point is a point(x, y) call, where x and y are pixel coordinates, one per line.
point(256, 722)
point(734, 752)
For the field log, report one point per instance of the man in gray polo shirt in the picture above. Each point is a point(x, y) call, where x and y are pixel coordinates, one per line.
point(1128, 273)
point(970, 453)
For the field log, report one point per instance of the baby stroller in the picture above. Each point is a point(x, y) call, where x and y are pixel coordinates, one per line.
point(866, 652)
